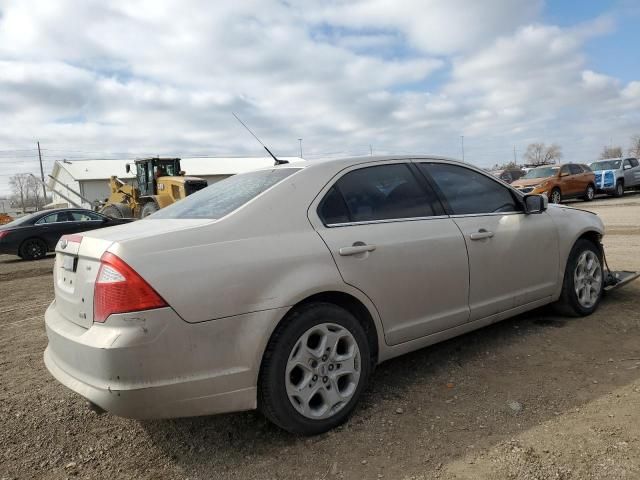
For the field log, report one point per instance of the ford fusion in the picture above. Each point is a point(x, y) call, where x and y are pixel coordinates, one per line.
point(281, 289)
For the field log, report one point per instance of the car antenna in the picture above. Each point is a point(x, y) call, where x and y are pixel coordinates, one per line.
point(277, 160)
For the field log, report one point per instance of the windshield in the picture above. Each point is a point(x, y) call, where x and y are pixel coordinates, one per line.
point(21, 220)
point(606, 165)
point(225, 196)
point(542, 172)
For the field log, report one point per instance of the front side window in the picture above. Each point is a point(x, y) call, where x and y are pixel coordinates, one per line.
point(85, 217)
point(565, 170)
point(470, 192)
point(382, 192)
point(225, 196)
point(575, 169)
point(627, 163)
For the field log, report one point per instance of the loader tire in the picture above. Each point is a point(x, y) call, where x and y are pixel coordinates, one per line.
point(117, 210)
point(149, 208)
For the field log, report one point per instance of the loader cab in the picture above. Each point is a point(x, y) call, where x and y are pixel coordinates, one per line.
point(148, 170)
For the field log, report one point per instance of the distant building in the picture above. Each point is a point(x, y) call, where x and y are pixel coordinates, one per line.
point(90, 178)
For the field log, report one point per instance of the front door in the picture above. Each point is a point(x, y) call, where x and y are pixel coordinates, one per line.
point(631, 170)
point(513, 257)
point(389, 238)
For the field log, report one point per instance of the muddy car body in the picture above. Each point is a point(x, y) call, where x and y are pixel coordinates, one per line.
point(281, 289)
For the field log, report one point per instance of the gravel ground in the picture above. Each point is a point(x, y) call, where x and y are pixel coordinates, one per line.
point(535, 397)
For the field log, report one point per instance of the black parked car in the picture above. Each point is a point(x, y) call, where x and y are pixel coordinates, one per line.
point(32, 236)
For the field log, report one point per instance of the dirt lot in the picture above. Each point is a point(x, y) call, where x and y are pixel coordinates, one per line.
point(535, 397)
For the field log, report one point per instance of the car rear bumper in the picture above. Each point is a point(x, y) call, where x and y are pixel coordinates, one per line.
point(152, 364)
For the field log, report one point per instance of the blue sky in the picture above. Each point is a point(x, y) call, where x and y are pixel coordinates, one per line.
point(92, 79)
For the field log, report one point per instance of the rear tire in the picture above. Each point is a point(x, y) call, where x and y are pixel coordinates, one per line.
point(33, 249)
point(148, 209)
point(589, 193)
point(555, 196)
point(619, 189)
point(583, 282)
point(314, 369)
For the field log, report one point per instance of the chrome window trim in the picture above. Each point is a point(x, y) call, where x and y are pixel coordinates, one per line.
point(490, 214)
point(388, 220)
point(415, 219)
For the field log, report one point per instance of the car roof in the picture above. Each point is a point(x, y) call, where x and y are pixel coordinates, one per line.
point(344, 162)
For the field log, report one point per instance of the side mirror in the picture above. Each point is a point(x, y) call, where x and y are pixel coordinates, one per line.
point(564, 174)
point(535, 204)
point(128, 168)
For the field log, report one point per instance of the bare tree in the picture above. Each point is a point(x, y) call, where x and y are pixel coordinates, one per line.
point(611, 152)
point(634, 150)
point(34, 191)
point(540, 154)
point(19, 184)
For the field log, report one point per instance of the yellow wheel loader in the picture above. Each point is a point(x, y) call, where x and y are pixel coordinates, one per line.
point(159, 183)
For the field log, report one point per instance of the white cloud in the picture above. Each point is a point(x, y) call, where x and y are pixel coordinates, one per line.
point(406, 76)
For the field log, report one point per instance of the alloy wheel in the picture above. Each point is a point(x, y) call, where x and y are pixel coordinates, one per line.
point(323, 371)
point(587, 279)
point(34, 249)
point(555, 196)
point(590, 192)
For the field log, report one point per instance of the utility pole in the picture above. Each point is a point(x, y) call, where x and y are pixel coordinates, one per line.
point(370, 150)
point(44, 190)
point(515, 159)
point(462, 142)
point(300, 141)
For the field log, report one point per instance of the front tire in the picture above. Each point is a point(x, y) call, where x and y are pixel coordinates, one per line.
point(314, 369)
point(556, 196)
point(619, 189)
point(583, 280)
point(33, 249)
point(148, 209)
point(589, 193)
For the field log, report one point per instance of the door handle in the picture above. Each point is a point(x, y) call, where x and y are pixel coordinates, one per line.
point(480, 234)
point(357, 248)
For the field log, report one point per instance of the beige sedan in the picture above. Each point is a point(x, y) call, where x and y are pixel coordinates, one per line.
point(281, 289)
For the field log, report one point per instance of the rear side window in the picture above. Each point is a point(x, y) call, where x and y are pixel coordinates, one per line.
point(575, 169)
point(634, 162)
point(470, 192)
point(225, 196)
point(382, 192)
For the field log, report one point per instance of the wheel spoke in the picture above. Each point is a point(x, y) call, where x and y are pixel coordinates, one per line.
point(323, 371)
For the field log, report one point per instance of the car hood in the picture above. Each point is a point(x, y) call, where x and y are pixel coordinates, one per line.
point(529, 182)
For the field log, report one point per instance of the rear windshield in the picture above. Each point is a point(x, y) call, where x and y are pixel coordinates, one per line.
point(606, 165)
point(225, 196)
point(21, 220)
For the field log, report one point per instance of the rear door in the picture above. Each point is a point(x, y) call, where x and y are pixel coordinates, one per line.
point(513, 257)
point(390, 239)
point(52, 227)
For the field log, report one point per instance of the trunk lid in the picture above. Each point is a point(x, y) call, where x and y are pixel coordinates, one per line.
point(78, 261)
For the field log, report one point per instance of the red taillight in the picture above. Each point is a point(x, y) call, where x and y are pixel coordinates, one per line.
point(4, 233)
point(119, 289)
